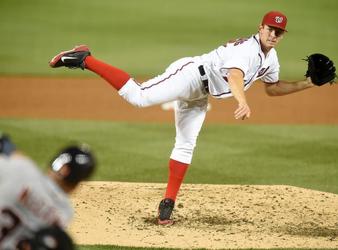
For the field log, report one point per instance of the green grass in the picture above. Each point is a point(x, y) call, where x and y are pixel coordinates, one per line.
point(143, 37)
point(303, 156)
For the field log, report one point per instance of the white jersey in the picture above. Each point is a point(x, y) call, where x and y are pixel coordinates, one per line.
point(183, 82)
point(243, 54)
point(28, 200)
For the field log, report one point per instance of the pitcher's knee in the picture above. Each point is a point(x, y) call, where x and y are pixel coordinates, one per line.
point(132, 93)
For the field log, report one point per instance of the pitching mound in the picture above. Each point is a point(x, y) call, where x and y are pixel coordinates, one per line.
point(207, 216)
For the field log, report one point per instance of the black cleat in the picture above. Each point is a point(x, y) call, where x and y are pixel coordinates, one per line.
point(165, 210)
point(72, 58)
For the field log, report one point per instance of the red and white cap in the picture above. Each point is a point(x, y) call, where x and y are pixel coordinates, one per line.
point(275, 19)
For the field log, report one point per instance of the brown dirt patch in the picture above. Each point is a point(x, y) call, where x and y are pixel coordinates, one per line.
point(92, 98)
point(207, 216)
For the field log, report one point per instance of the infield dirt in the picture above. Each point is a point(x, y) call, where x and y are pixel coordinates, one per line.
point(92, 98)
point(206, 216)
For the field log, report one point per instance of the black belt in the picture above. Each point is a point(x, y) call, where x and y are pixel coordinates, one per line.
point(204, 78)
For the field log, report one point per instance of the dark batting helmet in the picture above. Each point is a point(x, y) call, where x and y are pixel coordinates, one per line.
point(80, 162)
point(7, 147)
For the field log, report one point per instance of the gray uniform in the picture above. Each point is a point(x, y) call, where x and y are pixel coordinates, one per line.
point(28, 200)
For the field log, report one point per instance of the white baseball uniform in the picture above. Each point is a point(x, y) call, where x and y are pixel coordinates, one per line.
point(183, 82)
point(29, 200)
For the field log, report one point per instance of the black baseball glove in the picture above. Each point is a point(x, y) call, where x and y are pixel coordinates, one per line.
point(320, 69)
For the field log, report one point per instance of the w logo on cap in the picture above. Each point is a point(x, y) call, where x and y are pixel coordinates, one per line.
point(278, 19)
point(275, 19)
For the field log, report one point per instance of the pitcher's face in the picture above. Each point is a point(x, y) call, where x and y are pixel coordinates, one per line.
point(270, 36)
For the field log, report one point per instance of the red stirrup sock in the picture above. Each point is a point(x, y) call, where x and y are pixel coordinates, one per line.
point(176, 175)
point(116, 77)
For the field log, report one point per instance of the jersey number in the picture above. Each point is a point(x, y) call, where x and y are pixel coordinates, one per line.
point(15, 221)
point(240, 41)
point(237, 41)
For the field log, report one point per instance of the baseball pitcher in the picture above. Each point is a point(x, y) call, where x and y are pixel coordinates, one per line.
point(227, 71)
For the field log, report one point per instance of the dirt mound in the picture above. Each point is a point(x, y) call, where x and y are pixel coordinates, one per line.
point(206, 216)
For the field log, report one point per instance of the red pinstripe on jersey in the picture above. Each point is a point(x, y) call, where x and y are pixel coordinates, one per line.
point(168, 77)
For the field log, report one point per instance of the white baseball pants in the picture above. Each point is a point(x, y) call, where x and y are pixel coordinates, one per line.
point(181, 82)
